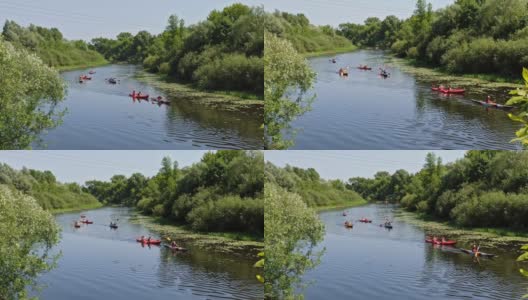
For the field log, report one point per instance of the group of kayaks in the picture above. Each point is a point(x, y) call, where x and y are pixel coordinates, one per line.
point(349, 224)
point(139, 96)
point(154, 242)
point(84, 220)
point(475, 252)
point(343, 72)
point(487, 103)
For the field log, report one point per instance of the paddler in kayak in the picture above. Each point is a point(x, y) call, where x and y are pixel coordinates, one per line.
point(489, 101)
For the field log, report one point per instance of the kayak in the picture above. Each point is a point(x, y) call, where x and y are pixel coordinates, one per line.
point(344, 214)
point(77, 226)
point(113, 226)
point(446, 243)
point(146, 97)
point(384, 75)
point(365, 221)
point(365, 68)
point(87, 222)
point(91, 72)
point(152, 242)
point(86, 78)
point(349, 225)
point(482, 254)
point(388, 226)
point(112, 81)
point(495, 105)
point(452, 91)
point(175, 248)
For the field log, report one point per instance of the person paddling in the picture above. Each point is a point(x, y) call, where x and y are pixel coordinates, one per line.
point(489, 101)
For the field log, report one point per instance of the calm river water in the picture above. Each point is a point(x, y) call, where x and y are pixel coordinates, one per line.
point(371, 262)
point(365, 111)
point(101, 263)
point(103, 116)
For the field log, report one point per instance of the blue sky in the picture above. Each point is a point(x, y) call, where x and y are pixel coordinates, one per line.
point(94, 18)
point(346, 164)
point(335, 12)
point(81, 166)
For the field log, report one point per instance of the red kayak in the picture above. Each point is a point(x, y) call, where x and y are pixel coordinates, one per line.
point(152, 242)
point(146, 97)
point(87, 222)
point(446, 243)
point(365, 68)
point(365, 221)
point(452, 91)
point(436, 89)
point(86, 78)
point(91, 72)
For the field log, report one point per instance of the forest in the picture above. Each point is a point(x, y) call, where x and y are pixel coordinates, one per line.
point(221, 193)
point(314, 191)
point(224, 52)
point(50, 46)
point(457, 39)
point(305, 37)
point(485, 189)
point(46, 190)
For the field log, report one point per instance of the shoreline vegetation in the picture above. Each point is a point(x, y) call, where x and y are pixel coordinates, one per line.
point(330, 52)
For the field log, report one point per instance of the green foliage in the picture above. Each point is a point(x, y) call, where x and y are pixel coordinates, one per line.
point(457, 38)
point(222, 53)
point(222, 193)
point(484, 189)
point(520, 99)
point(524, 258)
point(50, 46)
point(292, 230)
point(42, 186)
point(24, 227)
point(30, 90)
point(284, 71)
point(314, 191)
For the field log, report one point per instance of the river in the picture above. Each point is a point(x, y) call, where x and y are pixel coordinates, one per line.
point(371, 262)
point(101, 263)
point(365, 111)
point(102, 116)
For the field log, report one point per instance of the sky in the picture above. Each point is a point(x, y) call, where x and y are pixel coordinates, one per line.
point(107, 18)
point(335, 12)
point(81, 166)
point(346, 164)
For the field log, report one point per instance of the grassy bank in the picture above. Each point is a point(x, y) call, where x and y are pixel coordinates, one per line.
point(350, 204)
point(83, 66)
point(331, 52)
point(228, 98)
point(236, 243)
point(490, 237)
point(481, 81)
point(78, 208)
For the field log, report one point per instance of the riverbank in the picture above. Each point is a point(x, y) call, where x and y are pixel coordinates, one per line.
point(481, 81)
point(78, 208)
point(82, 66)
point(234, 243)
point(350, 48)
point(339, 206)
point(490, 237)
point(228, 99)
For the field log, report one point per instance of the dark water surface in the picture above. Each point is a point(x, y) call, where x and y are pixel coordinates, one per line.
point(371, 262)
point(367, 112)
point(102, 116)
point(100, 263)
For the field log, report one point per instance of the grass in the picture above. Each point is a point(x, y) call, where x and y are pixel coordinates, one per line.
point(82, 66)
point(350, 204)
point(233, 100)
point(227, 242)
point(491, 237)
point(78, 208)
point(350, 48)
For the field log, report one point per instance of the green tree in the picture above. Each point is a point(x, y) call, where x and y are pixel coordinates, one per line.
point(292, 230)
point(30, 91)
point(284, 70)
point(24, 227)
